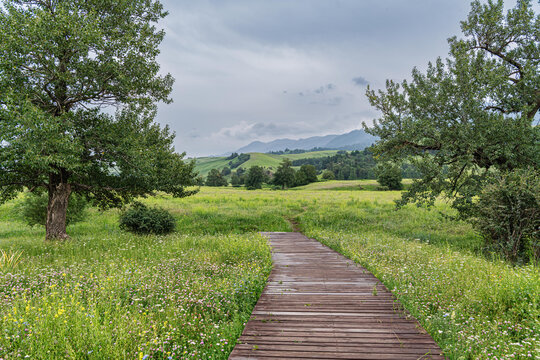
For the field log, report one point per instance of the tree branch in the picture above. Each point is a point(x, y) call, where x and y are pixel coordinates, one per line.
point(502, 56)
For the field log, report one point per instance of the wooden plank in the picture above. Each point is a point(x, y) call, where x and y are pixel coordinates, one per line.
point(318, 304)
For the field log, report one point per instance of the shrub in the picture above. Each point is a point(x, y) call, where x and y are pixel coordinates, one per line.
point(389, 175)
point(507, 214)
point(33, 208)
point(142, 219)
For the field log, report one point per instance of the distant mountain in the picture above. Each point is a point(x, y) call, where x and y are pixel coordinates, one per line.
point(354, 140)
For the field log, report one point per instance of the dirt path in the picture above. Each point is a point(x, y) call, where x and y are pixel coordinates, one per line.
point(320, 305)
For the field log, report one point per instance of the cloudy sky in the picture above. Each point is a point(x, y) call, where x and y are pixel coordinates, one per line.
point(250, 70)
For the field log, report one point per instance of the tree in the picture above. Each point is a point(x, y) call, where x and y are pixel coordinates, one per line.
point(305, 175)
point(284, 175)
point(199, 180)
point(328, 175)
point(471, 114)
point(63, 62)
point(226, 171)
point(310, 171)
point(215, 178)
point(236, 180)
point(389, 175)
point(255, 177)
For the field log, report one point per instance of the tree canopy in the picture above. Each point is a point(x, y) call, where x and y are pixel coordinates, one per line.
point(284, 175)
point(216, 178)
point(255, 177)
point(470, 114)
point(63, 66)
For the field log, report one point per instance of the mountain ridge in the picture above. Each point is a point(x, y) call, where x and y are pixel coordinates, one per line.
point(353, 140)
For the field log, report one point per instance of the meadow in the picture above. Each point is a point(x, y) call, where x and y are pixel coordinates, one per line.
point(188, 294)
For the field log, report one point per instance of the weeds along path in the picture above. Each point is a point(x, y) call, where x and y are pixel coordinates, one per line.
point(318, 304)
point(294, 222)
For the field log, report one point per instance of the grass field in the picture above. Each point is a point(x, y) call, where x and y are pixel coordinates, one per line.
point(187, 295)
point(268, 161)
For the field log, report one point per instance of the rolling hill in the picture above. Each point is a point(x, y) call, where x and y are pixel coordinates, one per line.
point(268, 161)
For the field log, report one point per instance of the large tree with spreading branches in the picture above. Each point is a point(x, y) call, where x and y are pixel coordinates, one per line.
point(66, 66)
point(474, 113)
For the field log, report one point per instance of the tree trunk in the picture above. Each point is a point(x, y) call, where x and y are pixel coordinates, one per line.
point(57, 210)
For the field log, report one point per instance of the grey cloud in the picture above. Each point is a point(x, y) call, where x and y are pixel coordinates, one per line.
point(360, 81)
point(254, 68)
point(245, 131)
point(325, 89)
point(321, 90)
point(333, 101)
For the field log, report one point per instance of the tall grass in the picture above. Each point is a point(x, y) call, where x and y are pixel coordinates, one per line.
point(188, 294)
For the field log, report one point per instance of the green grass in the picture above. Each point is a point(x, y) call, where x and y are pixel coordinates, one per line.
point(188, 294)
point(110, 294)
point(268, 161)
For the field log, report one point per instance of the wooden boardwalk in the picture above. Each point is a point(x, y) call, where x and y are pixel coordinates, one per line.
point(320, 305)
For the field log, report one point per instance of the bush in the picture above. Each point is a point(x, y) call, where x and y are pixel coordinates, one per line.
point(142, 219)
point(507, 214)
point(33, 208)
point(389, 175)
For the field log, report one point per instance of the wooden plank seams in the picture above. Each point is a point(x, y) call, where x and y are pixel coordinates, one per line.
point(318, 304)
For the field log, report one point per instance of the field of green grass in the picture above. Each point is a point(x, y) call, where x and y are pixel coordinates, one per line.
point(188, 294)
point(268, 161)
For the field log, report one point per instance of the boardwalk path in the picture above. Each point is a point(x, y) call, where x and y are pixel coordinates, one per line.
point(320, 305)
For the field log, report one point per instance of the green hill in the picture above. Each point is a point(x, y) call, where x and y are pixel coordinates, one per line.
point(267, 161)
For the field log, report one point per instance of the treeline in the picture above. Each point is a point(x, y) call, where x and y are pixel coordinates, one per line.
point(256, 176)
point(297, 151)
point(352, 165)
point(343, 165)
point(236, 160)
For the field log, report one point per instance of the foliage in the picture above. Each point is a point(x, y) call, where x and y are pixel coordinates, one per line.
point(307, 174)
point(239, 160)
point(345, 165)
point(284, 175)
point(199, 180)
point(9, 259)
point(226, 171)
point(216, 178)
point(33, 208)
point(255, 178)
point(328, 175)
point(352, 165)
point(61, 62)
point(237, 180)
point(141, 219)
point(469, 114)
point(507, 214)
point(389, 176)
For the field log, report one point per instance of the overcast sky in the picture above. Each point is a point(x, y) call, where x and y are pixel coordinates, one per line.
point(250, 70)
